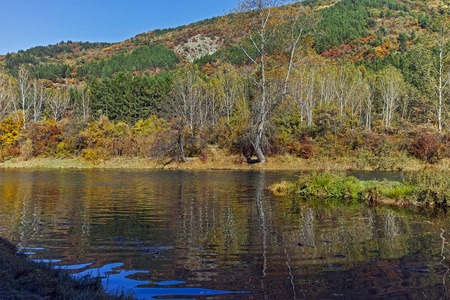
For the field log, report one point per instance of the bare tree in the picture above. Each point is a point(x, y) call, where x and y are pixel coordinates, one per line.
point(23, 102)
point(439, 75)
point(37, 100)
point(186, 98)
point(345, 84)
point(58, 103)
point(265, 22)
point(391, 86)
point(82, 101)
point(368, 94)
point(304, 86)
point(6, 94)
point(232, 90)
point(185, 104)
point(210, 108)
point(326, 85)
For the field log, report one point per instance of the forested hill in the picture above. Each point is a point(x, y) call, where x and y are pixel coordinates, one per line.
point(369, 79)
point(357, 30)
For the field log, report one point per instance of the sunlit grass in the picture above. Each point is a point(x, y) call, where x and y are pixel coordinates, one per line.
point(213, 160)
point(429, 188)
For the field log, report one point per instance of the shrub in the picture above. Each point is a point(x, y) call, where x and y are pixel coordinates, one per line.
point(94, 154)
point(27, 149)
point(431, 188)
point(45, 137)
point(427, 146)
point(63, 150)
point(10, 129)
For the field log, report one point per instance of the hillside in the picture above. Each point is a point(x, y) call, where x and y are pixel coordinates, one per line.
point(354, 30)
point(368, 80)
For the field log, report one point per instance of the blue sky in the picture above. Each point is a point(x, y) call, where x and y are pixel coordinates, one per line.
point(28, 23)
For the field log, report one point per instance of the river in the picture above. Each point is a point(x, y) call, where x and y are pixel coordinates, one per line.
point(221, 235)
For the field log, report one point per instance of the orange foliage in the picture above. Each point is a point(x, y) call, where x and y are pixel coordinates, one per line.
point(332, 53)
point(368, 39)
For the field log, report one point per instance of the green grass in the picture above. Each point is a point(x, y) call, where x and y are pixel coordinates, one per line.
point(429, 188)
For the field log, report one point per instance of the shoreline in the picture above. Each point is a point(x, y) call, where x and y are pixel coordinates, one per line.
point(23, 278)
point(235, 163)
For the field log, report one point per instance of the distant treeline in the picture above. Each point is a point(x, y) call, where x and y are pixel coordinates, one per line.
point(144, 58)
point(141, 59)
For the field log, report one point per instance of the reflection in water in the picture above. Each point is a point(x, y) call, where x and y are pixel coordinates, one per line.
point(214, 235)
point(116, 280)
point(442, 262)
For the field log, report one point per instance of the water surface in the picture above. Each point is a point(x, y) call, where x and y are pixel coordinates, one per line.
point(220, 235)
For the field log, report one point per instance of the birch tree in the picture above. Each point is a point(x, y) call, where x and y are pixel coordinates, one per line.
point(185, 104)
point(186, 98)
point(345, 87)
point(439, 75)
point(265, 22)
point(232, 90)
point(326, 85)
point(367, 91)
point(23, 102)
point(391, 86)
point(6, 94)
point(37, 100)
point(304, 86)
point(58, 103)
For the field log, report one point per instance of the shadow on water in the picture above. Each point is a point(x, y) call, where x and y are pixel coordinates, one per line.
point(117, 280)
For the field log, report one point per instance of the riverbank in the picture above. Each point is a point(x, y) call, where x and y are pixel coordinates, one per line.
point(21, 278)
point(215, 162)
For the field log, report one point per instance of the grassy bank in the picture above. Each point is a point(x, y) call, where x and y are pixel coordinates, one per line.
point(21, 278)
point(427, 188)
point(216, 160)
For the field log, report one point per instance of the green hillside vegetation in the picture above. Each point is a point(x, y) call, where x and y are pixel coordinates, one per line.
point(129, 98)
point(144, 58)
point(363, 87)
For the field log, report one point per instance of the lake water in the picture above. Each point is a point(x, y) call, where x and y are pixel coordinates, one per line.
point(221, 235)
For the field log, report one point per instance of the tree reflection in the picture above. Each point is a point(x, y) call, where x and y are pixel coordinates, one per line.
point(223, 230)
point(442, 263)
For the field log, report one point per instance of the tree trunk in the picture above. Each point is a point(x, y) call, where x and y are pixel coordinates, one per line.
point(257, 143)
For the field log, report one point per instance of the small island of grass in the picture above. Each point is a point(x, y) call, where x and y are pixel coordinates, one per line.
point(425, 188)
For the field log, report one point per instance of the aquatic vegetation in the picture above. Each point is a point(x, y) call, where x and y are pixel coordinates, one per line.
point(426, 187)
point(431, 187)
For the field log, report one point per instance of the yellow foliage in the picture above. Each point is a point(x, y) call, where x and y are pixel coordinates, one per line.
point(94, 154)
point(63, 150)
point(149, 126)
point(10, 130)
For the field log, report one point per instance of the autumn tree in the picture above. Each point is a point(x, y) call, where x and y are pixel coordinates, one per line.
point(185, 106)
point(391, 86)
point(267, 23)
point(80, 96)
point(303, 89)
point(6, 94)
point(23, 102)
point(37, 98)
point(231, 89)
point(439, 75)
point(58, 103)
